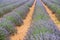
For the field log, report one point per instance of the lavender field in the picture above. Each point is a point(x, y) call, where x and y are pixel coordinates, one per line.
point(29, 19)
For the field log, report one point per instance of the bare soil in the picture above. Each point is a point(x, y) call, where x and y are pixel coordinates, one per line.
point(52, 15)
point(22, 30)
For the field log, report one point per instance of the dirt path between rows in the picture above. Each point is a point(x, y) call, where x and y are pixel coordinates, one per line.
point(52, 15)
point(22, 30)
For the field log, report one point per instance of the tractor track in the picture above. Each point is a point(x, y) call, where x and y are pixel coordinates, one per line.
point(52, 15)
point(22, 30)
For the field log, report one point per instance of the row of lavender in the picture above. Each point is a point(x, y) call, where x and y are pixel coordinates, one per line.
point(10, 7)
point(54, 5)
point(42, 27)
point(8, 2)
point(9, 21)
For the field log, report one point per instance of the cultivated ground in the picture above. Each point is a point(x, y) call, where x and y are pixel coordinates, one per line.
point(28, 20)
